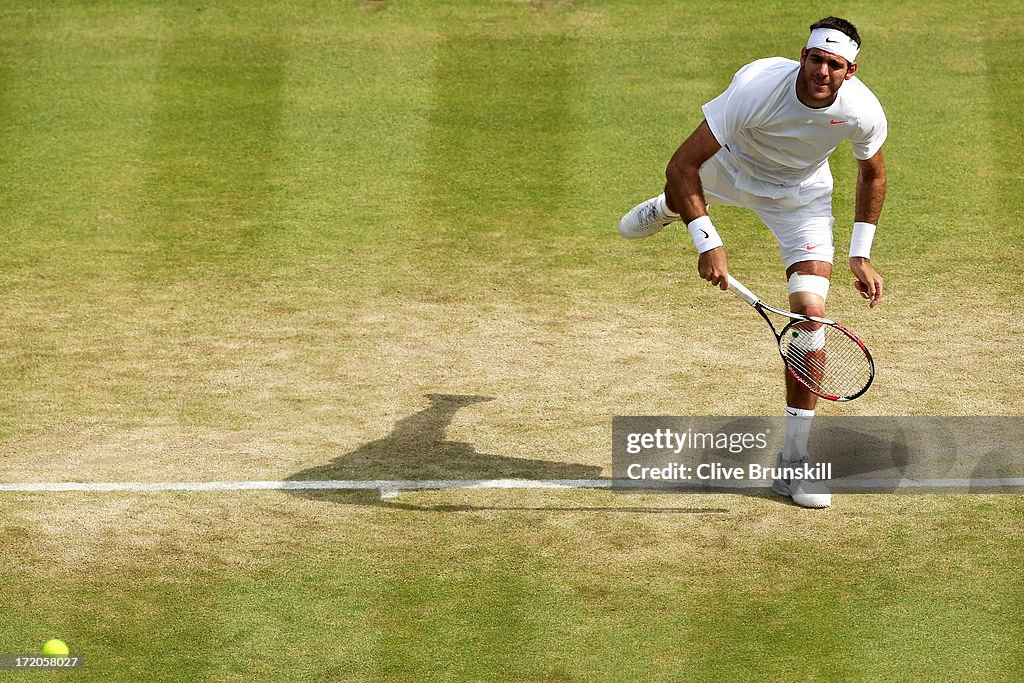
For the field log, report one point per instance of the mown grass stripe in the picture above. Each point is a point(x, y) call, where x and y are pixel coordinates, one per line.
point(216, 129)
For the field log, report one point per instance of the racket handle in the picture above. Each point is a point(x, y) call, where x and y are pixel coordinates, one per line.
point(742, 292)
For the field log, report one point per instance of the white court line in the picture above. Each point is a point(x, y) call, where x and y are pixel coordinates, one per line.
point(382, 485)
point(985, 483)
point(389, 488)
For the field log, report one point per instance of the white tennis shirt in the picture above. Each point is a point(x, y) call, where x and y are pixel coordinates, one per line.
point(773, 142)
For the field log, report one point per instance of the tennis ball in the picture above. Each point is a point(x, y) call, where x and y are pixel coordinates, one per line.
point(55, 647)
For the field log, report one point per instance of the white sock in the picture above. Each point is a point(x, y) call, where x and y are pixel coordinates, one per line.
point(798, 428)
point(663, 207)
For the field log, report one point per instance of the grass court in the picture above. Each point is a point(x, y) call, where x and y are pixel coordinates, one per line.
point(373, 239)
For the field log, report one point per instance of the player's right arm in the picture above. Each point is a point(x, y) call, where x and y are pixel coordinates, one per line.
point(684, 195)
point(683, 192)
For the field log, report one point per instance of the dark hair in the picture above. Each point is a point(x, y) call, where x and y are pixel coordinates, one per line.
point(839, 25)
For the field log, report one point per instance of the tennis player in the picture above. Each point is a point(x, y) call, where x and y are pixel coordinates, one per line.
point(764, 144)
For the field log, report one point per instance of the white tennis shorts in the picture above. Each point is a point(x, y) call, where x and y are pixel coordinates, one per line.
point(799, 217)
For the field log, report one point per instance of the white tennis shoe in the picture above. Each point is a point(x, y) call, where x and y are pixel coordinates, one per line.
point(805, 492)
point(647, 218)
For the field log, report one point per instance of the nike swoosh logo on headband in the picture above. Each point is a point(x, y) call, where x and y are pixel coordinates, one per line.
point(829, 40)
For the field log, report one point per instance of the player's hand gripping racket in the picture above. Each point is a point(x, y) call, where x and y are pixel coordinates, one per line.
point(821, 354)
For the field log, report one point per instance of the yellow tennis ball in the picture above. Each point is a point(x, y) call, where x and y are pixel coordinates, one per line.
point(55, 648)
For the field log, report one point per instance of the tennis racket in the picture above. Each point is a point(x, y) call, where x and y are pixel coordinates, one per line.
point(821, 354)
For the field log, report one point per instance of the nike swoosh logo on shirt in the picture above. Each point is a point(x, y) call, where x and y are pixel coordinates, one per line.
point(836, 123)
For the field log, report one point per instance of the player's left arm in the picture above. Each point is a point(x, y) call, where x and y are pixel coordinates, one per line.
point(871, 181)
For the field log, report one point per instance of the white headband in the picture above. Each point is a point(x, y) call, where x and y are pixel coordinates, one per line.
point(836, 42)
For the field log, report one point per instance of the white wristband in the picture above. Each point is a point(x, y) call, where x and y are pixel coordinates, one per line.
point(704, 235)
point(860, 241)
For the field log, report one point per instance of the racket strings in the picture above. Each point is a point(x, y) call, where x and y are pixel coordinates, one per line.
point(826, 358)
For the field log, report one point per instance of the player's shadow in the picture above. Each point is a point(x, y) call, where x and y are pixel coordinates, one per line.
point(417, 449)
